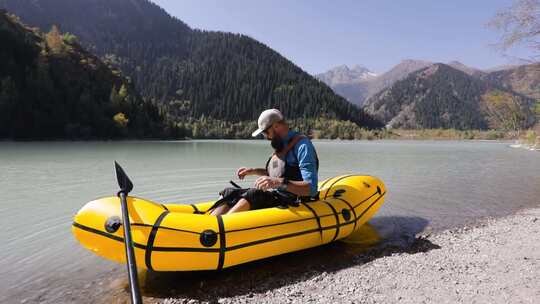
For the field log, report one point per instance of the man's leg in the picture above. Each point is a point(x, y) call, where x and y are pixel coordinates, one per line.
point(220, 210)
point(242, 205)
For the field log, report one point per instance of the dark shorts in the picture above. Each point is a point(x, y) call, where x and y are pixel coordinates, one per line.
point(259, 199)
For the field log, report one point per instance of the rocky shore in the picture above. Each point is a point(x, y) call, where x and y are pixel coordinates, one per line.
point(495, 261)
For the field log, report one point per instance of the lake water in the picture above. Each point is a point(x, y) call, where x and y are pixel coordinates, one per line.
point(42, 185)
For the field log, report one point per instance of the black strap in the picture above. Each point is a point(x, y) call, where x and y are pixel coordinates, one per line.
point(196, 210)
point(235, 184)
point(288, 198)
point(218, 203)
point(222, 243)
point(337, 219)
point(307, 199)
point(231, 196)
point(316, 218)
point(151, 239)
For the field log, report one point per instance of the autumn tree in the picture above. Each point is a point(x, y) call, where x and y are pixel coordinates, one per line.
point(505, 111)
point(121, 120)
point(54, 40)
point(123, 92)
point(519, 25)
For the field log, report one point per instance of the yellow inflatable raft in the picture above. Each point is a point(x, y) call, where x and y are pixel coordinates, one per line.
point(174, 237)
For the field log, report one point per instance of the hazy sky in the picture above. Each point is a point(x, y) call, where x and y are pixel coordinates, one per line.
point(320, 34)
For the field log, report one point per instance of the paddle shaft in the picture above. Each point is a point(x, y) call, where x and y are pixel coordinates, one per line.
point(130, 253)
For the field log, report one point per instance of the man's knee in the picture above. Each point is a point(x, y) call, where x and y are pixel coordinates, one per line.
point(252, 194)
point(220, 210)
point(244, 203)
point(241, 205)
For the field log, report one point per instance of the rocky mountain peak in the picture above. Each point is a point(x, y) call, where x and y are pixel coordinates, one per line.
point(344, 74)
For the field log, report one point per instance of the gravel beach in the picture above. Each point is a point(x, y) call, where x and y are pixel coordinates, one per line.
point(494, 261)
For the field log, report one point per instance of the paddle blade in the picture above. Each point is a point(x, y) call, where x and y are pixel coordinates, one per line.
point(124, 182)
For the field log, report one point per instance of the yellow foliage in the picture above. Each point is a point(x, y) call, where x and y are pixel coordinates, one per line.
point(123, 92)
point(54, 40)
point(121, 120)
point(503, 111)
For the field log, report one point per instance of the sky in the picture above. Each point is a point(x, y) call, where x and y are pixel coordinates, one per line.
point(320, 34)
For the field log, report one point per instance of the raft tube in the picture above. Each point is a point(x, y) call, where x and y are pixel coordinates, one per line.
point(176, 237)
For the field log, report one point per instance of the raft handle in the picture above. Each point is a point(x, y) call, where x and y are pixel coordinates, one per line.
point(338, 193)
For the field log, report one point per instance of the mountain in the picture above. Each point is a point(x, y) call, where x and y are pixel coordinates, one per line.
point(398, 72)
point(524, 79)
point(466, 69)
point(364, 83)
point(501, 68)
point(50, 87)
point(191, 73)
point(440, 96)
point(344, 75)
point(348, 82)
point(358, 90)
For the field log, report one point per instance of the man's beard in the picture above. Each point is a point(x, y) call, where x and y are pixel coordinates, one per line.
point(277, 143)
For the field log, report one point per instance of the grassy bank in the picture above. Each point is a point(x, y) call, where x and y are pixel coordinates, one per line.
point(432, 134)
point(451, 134)
point(324, 128)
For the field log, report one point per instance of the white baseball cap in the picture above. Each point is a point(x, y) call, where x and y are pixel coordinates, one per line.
point(266, 119)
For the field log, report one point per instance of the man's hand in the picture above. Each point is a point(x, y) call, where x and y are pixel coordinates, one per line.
point(267, 182)
point(243, 172)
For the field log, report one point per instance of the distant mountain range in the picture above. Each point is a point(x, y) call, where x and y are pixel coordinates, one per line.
point(524, 79)
point(344, 75)
point(225, 78)
point(444, 96)
point(357, 89)
point(423, 94)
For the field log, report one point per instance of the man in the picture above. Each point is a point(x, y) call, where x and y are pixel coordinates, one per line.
point(290, 174)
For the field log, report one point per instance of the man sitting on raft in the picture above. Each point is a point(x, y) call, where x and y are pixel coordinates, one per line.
point(290, 174)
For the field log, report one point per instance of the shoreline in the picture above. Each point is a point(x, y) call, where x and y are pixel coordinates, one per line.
point(367, 135)
point(491, 260)
point(494, 261)
point(338, 140)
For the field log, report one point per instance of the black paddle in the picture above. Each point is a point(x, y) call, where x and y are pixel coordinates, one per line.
point(125, 187)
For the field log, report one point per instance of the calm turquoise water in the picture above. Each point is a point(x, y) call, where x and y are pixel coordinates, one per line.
point(42, 185)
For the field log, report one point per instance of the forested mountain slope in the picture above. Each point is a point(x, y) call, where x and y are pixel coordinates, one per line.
point(441, 96)
point(50, 87)
point(191, 73)
point(524, 79)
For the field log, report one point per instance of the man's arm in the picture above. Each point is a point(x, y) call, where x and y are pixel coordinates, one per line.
point(307, 162)
point(300, 188)
point(243, 172)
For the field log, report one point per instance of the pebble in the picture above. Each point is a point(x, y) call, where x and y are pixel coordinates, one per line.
point(473, 264)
